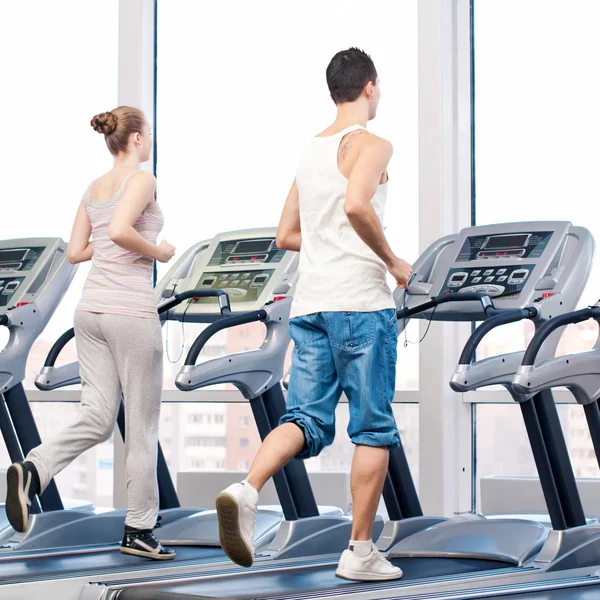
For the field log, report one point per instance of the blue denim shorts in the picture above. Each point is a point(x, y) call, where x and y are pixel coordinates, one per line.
point(350, 352)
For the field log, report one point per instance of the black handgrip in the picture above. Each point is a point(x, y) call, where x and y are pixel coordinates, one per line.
point(4, 319)
point(233, 321)
point(57, 347)
point(547, 328)
point(405, 313)
point(224, 304)
point(510, 316)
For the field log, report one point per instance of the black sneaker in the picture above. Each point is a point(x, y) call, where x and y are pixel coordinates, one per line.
point(141, 542)
point(22, 485)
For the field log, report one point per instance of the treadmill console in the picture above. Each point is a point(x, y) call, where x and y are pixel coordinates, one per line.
point(516, 264)
point(25, 265)
point(247, 264)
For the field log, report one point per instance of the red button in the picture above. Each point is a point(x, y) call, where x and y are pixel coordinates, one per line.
point(278, 298)
point(547, 295)
point(22, 304)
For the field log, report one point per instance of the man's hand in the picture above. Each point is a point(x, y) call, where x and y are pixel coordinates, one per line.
point(401, 271)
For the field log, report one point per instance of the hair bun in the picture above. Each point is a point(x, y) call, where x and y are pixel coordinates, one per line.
point(104, 123)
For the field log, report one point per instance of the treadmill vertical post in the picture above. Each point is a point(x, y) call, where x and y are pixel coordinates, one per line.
point(391, 500)
point(542, 463)
point(592, 415)
point(559, 458)
point(403, 484)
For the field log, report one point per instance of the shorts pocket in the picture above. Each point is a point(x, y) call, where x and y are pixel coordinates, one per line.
point(351, 331)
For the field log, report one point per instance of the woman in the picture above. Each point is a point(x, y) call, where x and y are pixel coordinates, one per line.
point(118, 334)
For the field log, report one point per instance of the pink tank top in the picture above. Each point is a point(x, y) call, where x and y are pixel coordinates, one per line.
point(120, 281)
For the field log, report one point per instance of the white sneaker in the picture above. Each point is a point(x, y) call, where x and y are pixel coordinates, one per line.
point(373, 567)
point(236, 510)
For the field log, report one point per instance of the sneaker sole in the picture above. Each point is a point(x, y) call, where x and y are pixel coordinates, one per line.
point(147, 554)
point(230, 536)
point(359, 576)
point(16, 502)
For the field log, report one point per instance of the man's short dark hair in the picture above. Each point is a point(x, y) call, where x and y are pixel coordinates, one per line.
point(348, 73)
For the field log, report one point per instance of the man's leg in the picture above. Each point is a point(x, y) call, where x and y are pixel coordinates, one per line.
point(279, 447)
point(306, 428)
point(369, 469)
point(366, 364)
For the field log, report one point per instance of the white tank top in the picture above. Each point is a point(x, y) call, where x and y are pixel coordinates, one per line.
point(337, 270)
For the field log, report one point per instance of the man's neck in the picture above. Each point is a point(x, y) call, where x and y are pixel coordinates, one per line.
point(351, 113)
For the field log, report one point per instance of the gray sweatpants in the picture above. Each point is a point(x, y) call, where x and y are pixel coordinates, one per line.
point(117, 354)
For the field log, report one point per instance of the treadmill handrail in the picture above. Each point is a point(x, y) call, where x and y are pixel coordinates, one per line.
point(511, 316)
point(221, 295)
point(486, 302)
point(226, 323)
point(577, 316)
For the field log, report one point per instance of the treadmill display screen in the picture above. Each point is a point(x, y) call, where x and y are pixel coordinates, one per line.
point(505, 242)
point(19, 259)
point(253, 247)
point(235, 253)
point(13, 254)
point(526, 244)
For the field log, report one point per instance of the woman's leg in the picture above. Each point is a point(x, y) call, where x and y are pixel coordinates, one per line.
point(100, 396)
point(136, 344)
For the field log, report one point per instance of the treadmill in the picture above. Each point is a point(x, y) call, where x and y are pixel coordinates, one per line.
point(496, 274)
point(258, 277)
point(34, 276)
point(64, 571)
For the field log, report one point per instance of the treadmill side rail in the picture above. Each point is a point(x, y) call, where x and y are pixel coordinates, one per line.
point(306, 537)
point(514, 541)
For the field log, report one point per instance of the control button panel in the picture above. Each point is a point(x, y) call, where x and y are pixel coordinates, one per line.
point(241, 286)
point(494, 281)
point(8, 287)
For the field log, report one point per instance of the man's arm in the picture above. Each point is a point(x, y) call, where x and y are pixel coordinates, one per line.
point(363, 182)
point(289, 235)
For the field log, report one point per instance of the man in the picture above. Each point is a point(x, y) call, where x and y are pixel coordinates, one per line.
point(343, 320)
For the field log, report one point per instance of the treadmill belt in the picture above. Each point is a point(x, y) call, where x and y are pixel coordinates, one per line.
point(263, 584)
point(580, 593)
point(90, 563)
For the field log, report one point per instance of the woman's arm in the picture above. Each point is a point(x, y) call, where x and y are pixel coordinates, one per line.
point(80, 248)
point(138, 194)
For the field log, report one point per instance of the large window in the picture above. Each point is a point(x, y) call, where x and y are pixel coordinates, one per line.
point(238, 99)
point(59, 68)
point(214, 436)
point(537, 123)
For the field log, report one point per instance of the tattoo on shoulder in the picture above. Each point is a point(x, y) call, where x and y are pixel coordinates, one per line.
point(345, 143)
